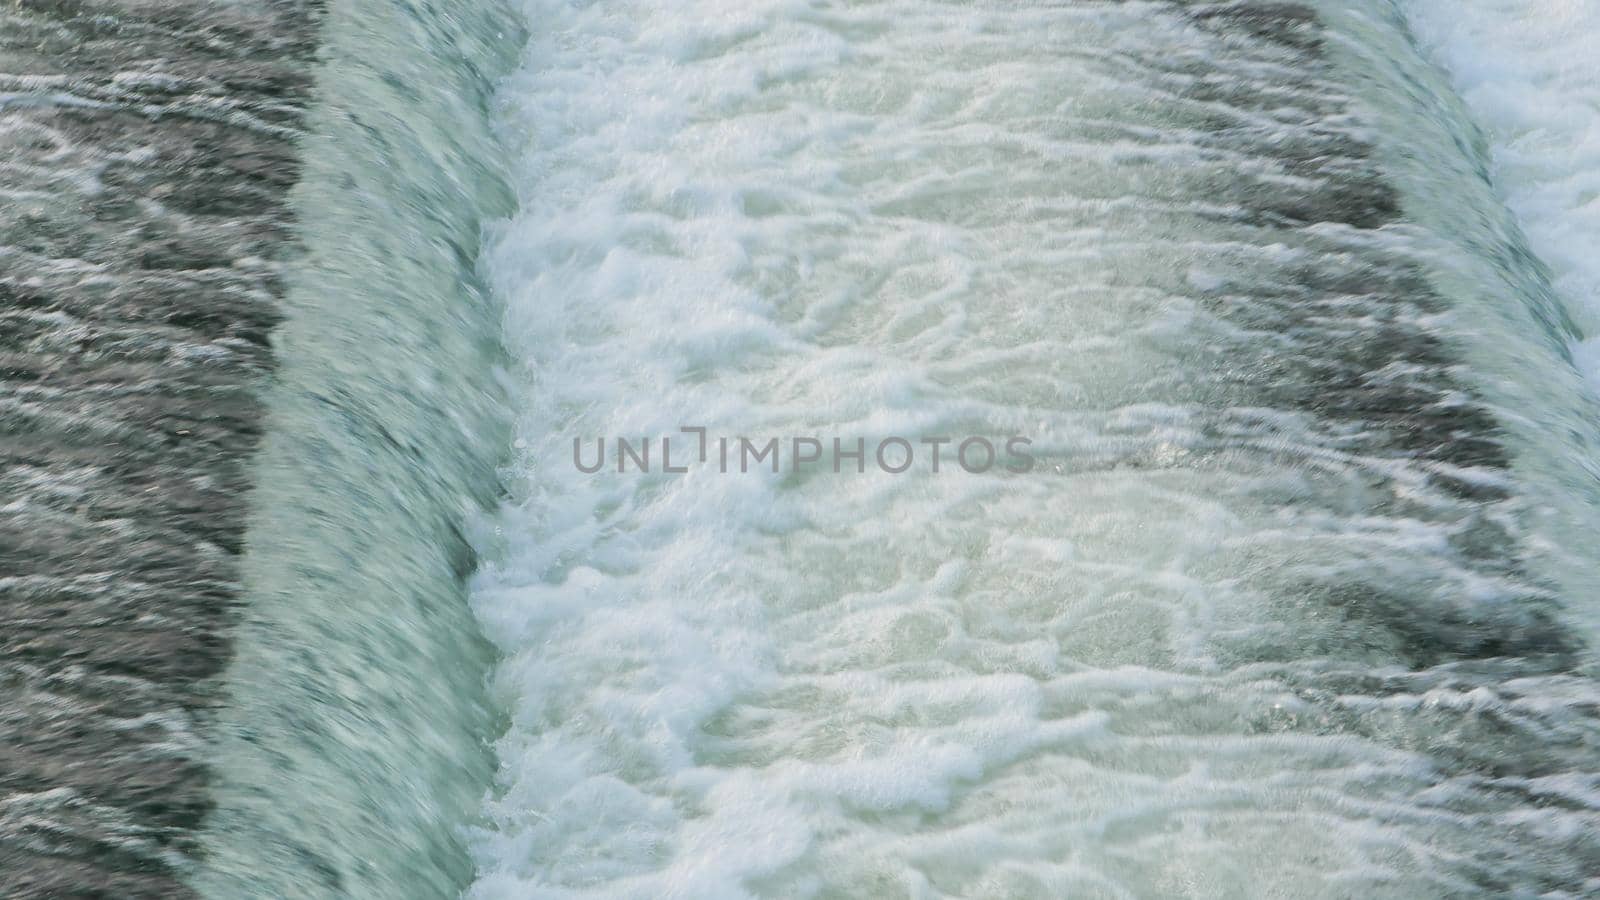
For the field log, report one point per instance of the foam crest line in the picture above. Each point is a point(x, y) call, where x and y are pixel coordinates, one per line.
point(1279, 612)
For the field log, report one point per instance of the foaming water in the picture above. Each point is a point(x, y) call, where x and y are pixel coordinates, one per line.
point(1281, 611)
point(352, 747)
point(1526, 70)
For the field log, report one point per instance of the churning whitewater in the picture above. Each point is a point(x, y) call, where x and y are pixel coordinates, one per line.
point(1296, 602)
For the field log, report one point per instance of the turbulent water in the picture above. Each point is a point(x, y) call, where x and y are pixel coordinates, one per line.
point(1280, 611)
point(1289, 303)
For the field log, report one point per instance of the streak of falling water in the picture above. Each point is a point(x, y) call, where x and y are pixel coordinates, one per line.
point(352, 746)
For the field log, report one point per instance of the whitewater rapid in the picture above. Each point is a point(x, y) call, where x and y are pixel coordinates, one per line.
point(1291, 604)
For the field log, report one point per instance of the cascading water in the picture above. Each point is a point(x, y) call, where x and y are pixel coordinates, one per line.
point(1524, 72)
point(351, 748)
point(1277, 316)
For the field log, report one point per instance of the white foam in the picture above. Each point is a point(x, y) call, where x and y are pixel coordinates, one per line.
point(774, 218)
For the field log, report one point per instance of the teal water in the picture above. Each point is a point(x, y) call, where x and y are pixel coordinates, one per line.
point(351, 747)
